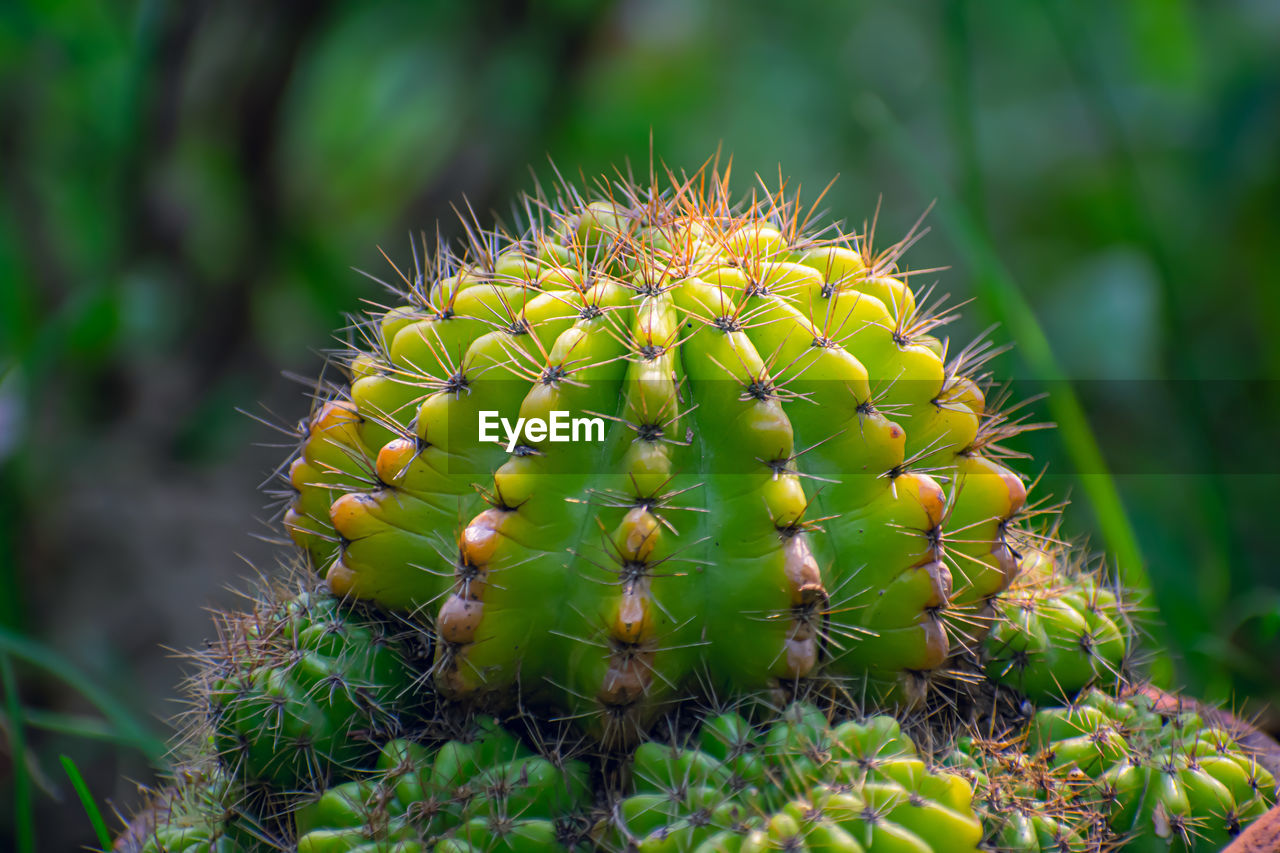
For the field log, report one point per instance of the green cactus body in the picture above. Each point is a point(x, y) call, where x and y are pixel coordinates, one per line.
point(754, 509)
point(304, 690)
point(803, 784)
point(1061, 628)
point(1166, 784)
point(487, 793)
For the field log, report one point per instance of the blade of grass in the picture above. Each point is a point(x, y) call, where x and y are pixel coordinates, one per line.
point(129, 728)
point(86, 800)
point(1001, 293)
point(23, 818)
point(77, 725)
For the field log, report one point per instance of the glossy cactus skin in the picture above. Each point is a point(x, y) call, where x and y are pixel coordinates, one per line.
point(1061, 628)
point(758, 509)
point(803, 784)
point(486, 793)
point(301, 691)
point(1165, 784)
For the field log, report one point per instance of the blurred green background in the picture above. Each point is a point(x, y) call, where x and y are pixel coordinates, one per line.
point(187, 187)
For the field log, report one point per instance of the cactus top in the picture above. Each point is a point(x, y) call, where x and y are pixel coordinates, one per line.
point(780, 470)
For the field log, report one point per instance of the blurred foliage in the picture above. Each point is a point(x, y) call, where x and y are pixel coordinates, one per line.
point(186, 187)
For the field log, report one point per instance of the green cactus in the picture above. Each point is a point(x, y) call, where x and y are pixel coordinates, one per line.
point(1107, 773)
point(756, 507)
point(1032, 831)
point(1059, 629)
point(301, 691)
point(1166, 783)
point(1026, 805)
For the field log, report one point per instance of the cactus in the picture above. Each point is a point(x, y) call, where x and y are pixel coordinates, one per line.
point(802, 784)
point(779, 488)
point(205, 811)
point(783, 450)
point(1108, 773)
point(1026, 805)
point(1060, 628)
point(1167, 783)
point(300, 691)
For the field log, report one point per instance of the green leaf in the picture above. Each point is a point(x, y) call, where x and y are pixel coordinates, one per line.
point(86, 800)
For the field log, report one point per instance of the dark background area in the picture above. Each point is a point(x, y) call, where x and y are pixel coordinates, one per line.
point(187, 187)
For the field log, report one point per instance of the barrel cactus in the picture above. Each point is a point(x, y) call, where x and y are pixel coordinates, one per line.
point(745, 459)
point(668, 522)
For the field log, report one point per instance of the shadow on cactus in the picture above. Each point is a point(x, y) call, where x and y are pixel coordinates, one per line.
point(635, 522)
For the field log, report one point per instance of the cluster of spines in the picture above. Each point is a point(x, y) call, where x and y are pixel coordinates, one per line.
point(756, 375)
